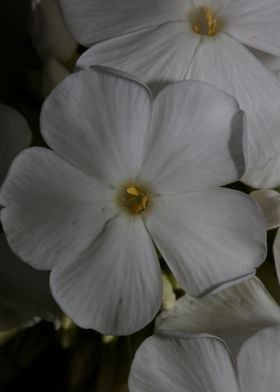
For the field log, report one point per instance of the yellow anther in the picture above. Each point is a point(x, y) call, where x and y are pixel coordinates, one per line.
point(134, 199)
point(204, 22)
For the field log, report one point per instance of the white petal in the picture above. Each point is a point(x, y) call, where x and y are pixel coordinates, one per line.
point(99, 128)
point(266, 176)
point(258, 362)
point(269, 201)
point(255, 23)
point(15, 136)
point(233, 314)
point(234, 69)
point(158, 56)
point(115, 286)
point(49, 34)
point(182, 365)
point(91, 21)
point(24, 290)
point(208, 237)
point(52, 210)
point(196, 135)
point(270, 61)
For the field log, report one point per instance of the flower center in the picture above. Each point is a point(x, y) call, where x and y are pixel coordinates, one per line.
point(204, 22)
point(134, 199)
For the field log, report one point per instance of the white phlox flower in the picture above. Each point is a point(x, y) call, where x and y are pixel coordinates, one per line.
point(227, 341)
point(163, 41)
point(126, 174)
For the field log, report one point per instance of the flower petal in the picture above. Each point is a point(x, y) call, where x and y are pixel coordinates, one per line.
point(255, 23)
point(258, 361)
point(266, 176)
point(52, 210)
point(115, 286)
point(233, 314)
point(23, 290)
point(234, 69)
point(159, 55)
point(196, 135)
point(15, 136)
point(53, 73)
point(208, 237)
point(276, 253)
point(91, 21)
point(269, 201)
point(100, 128)
point(182, 365)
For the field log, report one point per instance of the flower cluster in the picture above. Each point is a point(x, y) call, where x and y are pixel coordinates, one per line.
point(170, 106)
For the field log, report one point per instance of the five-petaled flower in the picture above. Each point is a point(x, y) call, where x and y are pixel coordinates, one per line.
point(127, 174)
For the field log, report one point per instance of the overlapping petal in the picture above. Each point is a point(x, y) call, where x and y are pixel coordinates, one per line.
point(115, 286)
point(182, 365)
point(158, 56)
point(197, 136)
point(233, 314)
point(258, 361)
point(91, 21)
point(269, 201)
point(97, 120)
point(52, 210)
point(256, 89)
point(208, 237)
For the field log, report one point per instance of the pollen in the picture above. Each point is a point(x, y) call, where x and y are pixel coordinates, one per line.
point(204, 22)
point(134, 199)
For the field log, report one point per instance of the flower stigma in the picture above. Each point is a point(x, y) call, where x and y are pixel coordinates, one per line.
point(204, 22)
point(134, 199)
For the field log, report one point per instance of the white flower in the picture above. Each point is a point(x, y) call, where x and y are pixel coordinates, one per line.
point(164, 364)
point(167, 40)
point(186, 355)
point(127, 173)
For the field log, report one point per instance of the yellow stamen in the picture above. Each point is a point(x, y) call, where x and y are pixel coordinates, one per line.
point(134, 199)
point(204, 22)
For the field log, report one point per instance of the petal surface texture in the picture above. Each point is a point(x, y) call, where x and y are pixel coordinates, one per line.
point(158, 56)
point(15, 136)
point(182, 365)
point(200, 142)
point(269, 201)
point(91, 21)
point(47, 219)
point(255, 23)
point(115, 286)
point(258, 361)
point(208, 237)
point(233, 314)
point(101, 127)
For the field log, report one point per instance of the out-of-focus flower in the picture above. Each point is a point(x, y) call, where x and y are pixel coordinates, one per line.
point(49, 34)
point(52, 74)
point(164, 364)
point(127, 173)
point(15, 136)
point(24, 291)
point(163, 41)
